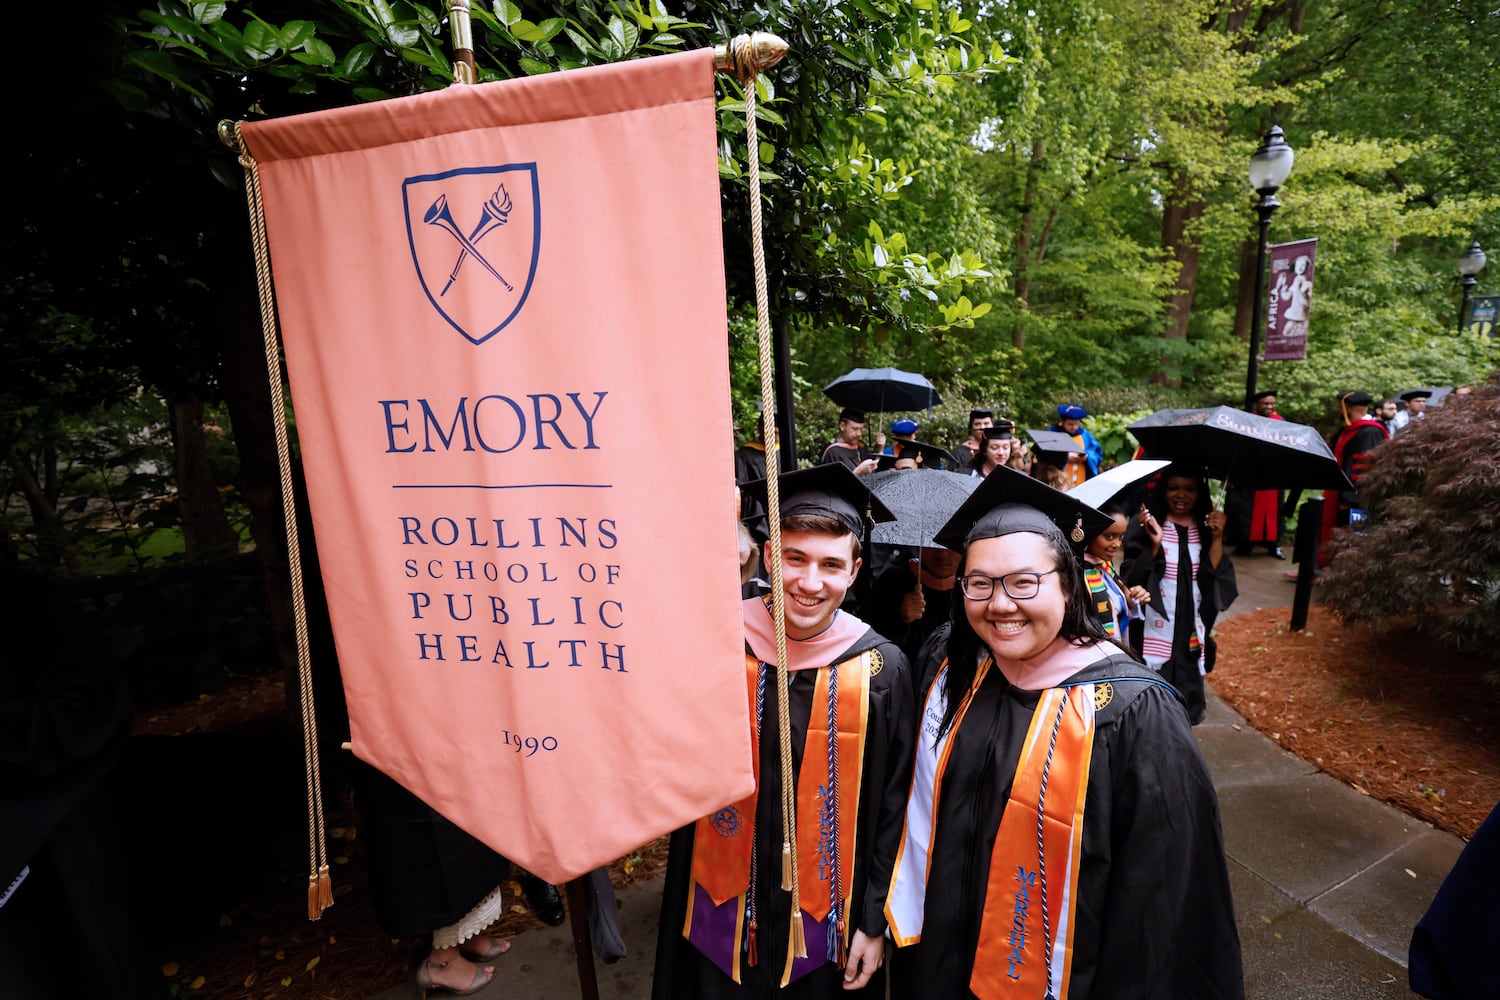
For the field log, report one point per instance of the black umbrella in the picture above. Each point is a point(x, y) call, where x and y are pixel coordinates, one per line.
point(922, 499)
point(1250, 451)
point(880, 390)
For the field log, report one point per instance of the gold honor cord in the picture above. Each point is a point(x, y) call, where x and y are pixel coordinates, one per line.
point(319, 884)
point(746, 56)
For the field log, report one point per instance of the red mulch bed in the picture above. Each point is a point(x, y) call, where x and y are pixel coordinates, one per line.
point(1390, 713)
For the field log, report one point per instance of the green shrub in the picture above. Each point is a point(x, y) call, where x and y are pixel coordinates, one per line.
point(1430, 554)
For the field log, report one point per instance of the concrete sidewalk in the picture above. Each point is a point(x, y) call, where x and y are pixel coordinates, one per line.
point(1328, 883)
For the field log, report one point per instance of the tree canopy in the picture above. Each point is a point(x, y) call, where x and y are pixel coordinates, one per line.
point(1024, 203)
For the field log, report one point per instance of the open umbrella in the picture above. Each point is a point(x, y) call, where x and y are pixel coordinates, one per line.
point(922, 499)
point(1250, 451)
point(879, 390)
point(1109, 484)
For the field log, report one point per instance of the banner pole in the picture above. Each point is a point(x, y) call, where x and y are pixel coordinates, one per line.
point(583, 948)
point(464, 70)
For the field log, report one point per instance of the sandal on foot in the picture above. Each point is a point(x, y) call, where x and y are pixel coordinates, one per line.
point(496, 947)
point(483, 975)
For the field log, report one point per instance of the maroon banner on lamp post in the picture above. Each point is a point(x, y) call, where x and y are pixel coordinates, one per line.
point(1289, 300)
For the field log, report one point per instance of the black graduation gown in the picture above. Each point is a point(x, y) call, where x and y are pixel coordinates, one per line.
point(884, 612)
point(1154, 917)
point(1216, 591)
point(682, 972)
point(837, 454)
point(1450, 946)
point(424, 872)
point(749, 467)
point(70, 928)
point(1239, 509)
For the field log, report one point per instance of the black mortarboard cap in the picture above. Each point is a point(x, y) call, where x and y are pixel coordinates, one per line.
point(1003, 430)
point(980, 415)
point(830, 490)
point(1356, 398)
point(1055, 441)
point(1008, 501)
point(928, 456)
point(1264, 393)
point(850, 413)
point(1412, 394)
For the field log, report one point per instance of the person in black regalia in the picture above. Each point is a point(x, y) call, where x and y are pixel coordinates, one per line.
point(1029, 709)
point(726, 920)
point(1175, 550)
point(69, 920)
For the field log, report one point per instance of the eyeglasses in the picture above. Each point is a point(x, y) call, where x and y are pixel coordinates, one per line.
point(1017, 586)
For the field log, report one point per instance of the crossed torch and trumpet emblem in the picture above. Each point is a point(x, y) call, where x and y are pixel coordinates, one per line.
point(494, 214)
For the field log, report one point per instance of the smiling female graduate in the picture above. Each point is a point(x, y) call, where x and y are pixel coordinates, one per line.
point(1175, 549)
point(1062, 834)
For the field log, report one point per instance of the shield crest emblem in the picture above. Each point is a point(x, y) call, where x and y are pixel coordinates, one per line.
point(475, 233)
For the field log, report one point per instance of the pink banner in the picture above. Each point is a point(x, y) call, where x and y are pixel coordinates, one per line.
point(501, 306)
point(1289, 300)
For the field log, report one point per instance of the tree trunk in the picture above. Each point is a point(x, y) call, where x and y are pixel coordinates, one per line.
point(205, 526)
point(1180, 212)
point(1244, 298)
point(1023, 243)
point(247, 395)
point(41, 499)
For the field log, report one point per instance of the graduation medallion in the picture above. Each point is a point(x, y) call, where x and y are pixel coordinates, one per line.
point(1077, 533)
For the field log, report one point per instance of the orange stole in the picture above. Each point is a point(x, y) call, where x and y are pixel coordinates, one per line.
point(1012, 958)
point(721, 857)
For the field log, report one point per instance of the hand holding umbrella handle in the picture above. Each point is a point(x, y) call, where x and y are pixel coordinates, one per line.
point(1153, 529)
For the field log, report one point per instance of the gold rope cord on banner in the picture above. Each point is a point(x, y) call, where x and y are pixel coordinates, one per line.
point(319, 883)
point(746, 56)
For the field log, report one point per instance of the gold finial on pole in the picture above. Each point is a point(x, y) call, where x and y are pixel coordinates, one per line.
point(464, 70)
point(747, 56)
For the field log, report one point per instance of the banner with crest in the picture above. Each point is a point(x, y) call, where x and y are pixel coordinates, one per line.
point(502, 307)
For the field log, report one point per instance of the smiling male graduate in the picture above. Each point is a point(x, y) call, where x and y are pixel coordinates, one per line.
point(726, 924)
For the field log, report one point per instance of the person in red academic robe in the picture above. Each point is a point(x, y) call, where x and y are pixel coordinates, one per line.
point(1352, 447)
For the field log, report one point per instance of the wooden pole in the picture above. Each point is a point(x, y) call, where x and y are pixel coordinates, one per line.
point(464, 70)
point(583, 946)
point(1309, 527)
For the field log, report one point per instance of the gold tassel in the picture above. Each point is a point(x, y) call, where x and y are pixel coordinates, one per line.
point(313, 910)
point(786, 865)
point(799, 937)
point(325, 888)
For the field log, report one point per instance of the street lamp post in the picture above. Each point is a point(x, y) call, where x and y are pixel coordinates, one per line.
point(1269, 166)
point(1470, 263)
